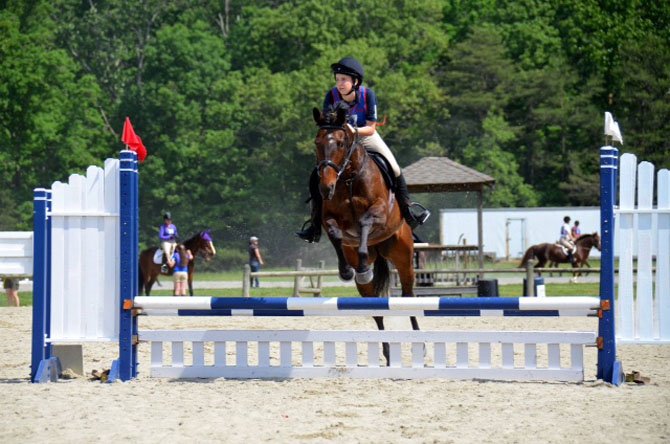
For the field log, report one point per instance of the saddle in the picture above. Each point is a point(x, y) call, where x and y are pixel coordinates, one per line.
point(565, 250)
point(384, 168)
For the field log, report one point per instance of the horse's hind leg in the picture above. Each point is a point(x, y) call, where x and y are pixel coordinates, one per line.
point(386, 350)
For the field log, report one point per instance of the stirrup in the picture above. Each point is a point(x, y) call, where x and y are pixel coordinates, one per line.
point(310, 234)
point(423, 215)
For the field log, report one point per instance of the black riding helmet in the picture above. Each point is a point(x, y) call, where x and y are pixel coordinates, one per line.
point(167, 215)
point(351, 67)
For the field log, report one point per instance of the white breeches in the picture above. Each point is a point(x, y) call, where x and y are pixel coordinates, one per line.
point(376, 143)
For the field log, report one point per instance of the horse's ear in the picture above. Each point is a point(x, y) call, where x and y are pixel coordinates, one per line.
point(317, 115)
point(341, 116)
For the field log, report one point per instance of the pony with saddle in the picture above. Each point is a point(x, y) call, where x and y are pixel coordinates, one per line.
point(360, 213)
point(555, 254)
point(151, 259)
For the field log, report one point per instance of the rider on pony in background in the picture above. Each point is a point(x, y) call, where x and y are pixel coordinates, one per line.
point(168, 235)
point(362, 105)
point(566, 240)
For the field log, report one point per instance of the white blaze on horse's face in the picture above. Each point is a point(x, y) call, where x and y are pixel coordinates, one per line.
point(211, 247)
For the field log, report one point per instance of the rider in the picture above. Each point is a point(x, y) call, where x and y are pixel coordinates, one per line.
point(576, 231)
point(362, 104)
point(566, 238)
point(168, 235)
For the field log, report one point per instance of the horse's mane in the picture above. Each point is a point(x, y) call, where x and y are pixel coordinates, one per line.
point(336, 115)
point(587, 235)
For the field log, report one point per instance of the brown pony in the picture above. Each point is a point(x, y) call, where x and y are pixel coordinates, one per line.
point(360, 214)
point(149, 271)
point(553, 253)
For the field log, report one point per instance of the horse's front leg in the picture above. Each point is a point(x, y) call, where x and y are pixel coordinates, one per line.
point(335, 235)
point(364, 273)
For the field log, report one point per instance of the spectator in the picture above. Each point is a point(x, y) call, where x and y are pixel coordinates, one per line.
point(255, 259)
point(182, 256)
point(11, 286)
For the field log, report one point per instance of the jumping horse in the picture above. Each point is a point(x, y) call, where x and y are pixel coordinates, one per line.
point(360, 214)
point(201, 243)
point(554, 254)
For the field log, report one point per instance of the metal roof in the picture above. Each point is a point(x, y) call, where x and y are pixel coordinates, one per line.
point(441, 174)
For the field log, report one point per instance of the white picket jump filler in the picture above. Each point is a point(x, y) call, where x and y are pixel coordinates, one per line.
point(644, 232)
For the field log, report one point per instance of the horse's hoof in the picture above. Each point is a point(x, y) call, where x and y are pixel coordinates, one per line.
point(365, 277)
point(347, 275)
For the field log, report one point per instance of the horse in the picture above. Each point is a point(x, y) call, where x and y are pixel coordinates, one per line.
point(360, 214)
point(554, 253)
point(149, 271)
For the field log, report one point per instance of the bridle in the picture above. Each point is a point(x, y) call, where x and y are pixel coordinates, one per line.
point(352, 145)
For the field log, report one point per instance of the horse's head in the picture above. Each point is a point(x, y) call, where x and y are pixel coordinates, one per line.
point(596, 241)
point(334, 147)
point(207, 244)
point(589, 240)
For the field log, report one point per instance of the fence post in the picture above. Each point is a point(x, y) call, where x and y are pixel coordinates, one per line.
point(246, 280)
point(319, 278)
point(530, 279)
point(296, 280)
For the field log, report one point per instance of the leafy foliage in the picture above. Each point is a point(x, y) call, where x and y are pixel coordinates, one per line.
point(221, 93)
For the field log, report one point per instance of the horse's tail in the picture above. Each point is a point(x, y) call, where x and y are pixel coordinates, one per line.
point(382, 276)
point(530, 254)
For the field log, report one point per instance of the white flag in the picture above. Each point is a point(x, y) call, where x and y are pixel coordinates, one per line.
point(612, 128)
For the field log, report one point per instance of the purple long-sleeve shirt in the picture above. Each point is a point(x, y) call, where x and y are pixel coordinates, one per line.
point(168, 233)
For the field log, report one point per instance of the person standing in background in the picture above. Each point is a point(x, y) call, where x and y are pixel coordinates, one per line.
point(255, 259)
point(11, 286)
point(182, 256)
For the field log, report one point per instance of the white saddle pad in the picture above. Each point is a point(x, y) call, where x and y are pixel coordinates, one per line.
point(158, 257)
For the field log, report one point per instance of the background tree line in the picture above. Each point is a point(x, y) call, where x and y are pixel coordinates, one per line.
point(221, 93)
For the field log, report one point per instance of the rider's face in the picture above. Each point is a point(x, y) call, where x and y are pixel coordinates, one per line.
point(344, 83)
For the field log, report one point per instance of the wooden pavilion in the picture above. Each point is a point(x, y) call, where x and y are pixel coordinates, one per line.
point(443, 175)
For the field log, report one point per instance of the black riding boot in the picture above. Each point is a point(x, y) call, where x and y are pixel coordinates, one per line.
point(406, 204)
point(311, 230)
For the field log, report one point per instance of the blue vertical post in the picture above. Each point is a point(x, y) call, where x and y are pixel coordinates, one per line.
point(40, 352)
point(609, 368)
point(126, 364)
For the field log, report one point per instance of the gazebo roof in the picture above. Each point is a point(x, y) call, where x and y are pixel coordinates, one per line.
point(441, 174)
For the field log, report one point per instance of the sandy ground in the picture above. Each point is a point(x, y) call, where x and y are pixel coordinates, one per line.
point(340, 410)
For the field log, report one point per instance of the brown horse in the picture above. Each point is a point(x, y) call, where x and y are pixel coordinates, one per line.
point(149, 271)
point(554, 253)
point(360, 214)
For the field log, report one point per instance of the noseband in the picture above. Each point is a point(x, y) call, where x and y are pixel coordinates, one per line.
point(339, 169)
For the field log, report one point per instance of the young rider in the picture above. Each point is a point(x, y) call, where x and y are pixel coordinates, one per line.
point(168, 235)
point(566, 238)
point(362, 104)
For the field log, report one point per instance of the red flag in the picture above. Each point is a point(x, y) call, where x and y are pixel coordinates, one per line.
point(133, 140)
